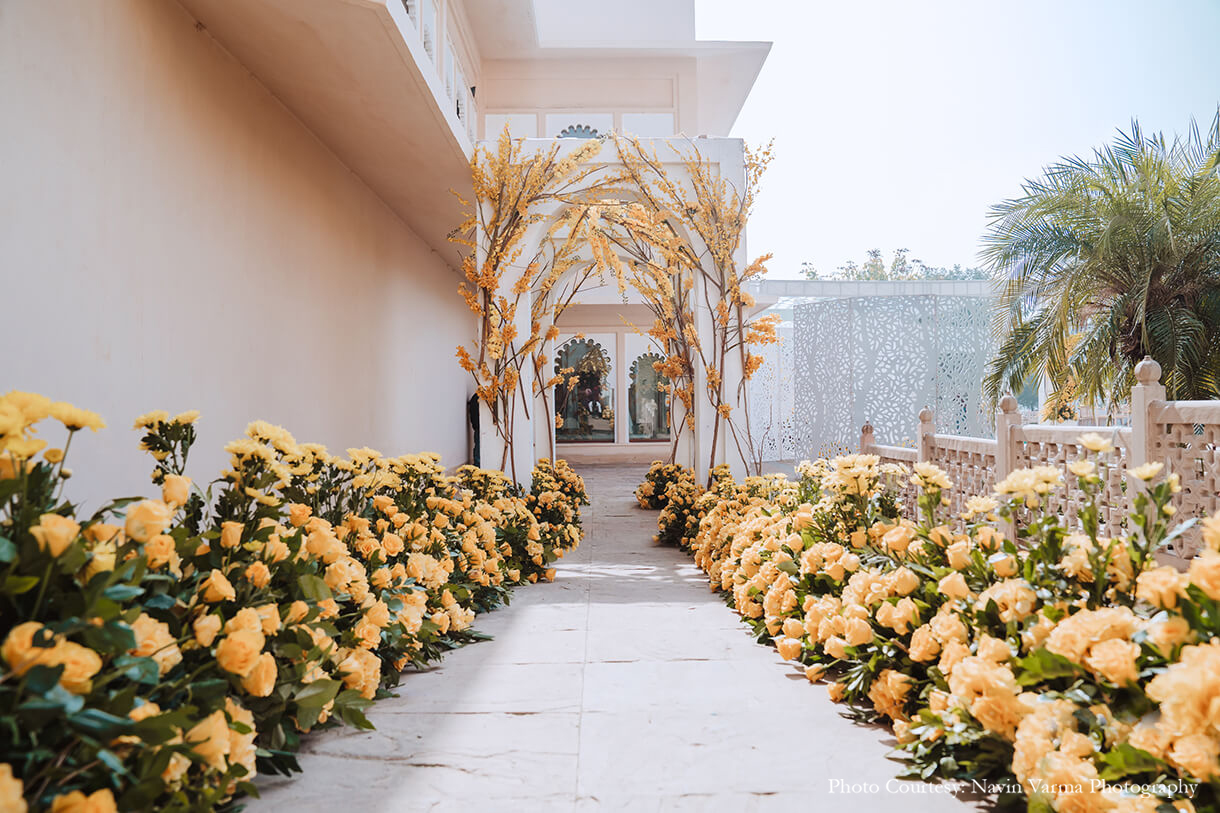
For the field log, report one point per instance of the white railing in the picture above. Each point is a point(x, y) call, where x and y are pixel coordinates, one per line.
point(1183, 435)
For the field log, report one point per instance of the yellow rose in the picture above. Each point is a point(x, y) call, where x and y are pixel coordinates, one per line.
point(1114, 659)
point(19, 651)
point(814, 672)
point(176, 489)
point(298, 514)
point(247, 618)
point(269, 618)
point(206, 627)
point(161, 550)
point(101, 559)
point(1005, 566)
point(242, 750)
point(146, 519)
point(11, 791)
point(55, 533)
point(296, 612)
point(905, 581)
point(988, 538)
point(1161, 587)
point(368, 634)
point(276, 550)
point(1197, 754)
point(924, 646)
point(550, 574)
point(958, 554)
point(153, 640)
point(1169, 633)
point(993, 649)
point(100, 801)
point(789, 648)
point(392, 544)
point(258, 574)
point(216, 588)
point(362, 671)
point(80, 665)
point(954, 586)
point(230, 534)
point(209, 738)
point(261, 678)
point(100, 532)
point(898, 539)
point(836, 691)
point(144, 711)
point(1205, 573)
point(835, 647)
point(378, 613)
point(238, 651)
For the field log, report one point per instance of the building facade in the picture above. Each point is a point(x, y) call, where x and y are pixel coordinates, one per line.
point(244, 207)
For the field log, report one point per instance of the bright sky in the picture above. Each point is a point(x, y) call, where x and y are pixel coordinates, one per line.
point(898, 123)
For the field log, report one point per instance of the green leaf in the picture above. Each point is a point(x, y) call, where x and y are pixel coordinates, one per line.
point(8, 551)
point(1125, 759)
point(161, 601)
point(313, 588)
point(16, 585)
point(99, 724)
point(122, 592)
point(1042, 665)
point(141, 670)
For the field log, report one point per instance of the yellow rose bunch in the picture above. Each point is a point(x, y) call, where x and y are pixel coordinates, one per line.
point(974, 646)
point(154, 628)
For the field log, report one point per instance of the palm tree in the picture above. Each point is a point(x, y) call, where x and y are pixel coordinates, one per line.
point(1104, 261)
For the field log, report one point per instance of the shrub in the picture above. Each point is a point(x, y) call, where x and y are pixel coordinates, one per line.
point(1002, 646)
point(158, 653)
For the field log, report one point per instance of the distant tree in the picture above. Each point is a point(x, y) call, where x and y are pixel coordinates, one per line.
point(1108, 259)
point(900, 268)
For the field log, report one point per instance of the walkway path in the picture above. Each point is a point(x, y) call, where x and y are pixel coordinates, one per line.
point(624, 685)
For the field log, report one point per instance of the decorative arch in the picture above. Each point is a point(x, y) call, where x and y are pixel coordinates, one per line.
point(584, 398)
point(648, 400)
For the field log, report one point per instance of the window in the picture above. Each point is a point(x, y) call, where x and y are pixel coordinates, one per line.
point(648, 400)
point(584, 399)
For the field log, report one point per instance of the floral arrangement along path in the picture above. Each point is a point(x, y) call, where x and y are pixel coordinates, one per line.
point(624, 685)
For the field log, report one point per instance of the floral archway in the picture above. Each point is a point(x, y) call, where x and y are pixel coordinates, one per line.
point(667, 227)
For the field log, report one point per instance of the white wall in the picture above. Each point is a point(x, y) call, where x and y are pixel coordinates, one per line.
point(171, 237)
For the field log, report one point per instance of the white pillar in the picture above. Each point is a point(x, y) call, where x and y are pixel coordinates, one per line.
point(1006, 417)
point(927, 428)
point(1148, 391)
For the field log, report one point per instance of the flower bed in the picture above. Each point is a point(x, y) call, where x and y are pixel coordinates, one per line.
point(159, 653)
point(1051, 666)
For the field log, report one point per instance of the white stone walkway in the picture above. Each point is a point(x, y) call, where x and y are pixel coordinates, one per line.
point(624, 685)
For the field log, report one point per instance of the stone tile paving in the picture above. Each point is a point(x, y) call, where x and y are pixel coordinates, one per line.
point(624, 685)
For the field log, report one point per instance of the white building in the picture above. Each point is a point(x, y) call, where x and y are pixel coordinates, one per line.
point(242, 206)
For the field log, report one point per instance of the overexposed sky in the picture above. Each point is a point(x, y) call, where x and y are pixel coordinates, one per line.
point(897, 123)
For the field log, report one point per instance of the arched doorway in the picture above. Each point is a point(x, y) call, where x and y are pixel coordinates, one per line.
point(584, 399)
point(648, 400)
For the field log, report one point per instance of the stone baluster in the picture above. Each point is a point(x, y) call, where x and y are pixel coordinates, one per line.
point(927, 428)
point(1147, 391)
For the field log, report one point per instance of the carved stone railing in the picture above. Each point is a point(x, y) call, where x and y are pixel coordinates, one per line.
point(1183, 435)
point(1059, 446)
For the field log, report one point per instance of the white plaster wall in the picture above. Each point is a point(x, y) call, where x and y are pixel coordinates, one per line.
point(171, 237)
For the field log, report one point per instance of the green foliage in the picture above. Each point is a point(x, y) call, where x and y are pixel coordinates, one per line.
point(1107, 260)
